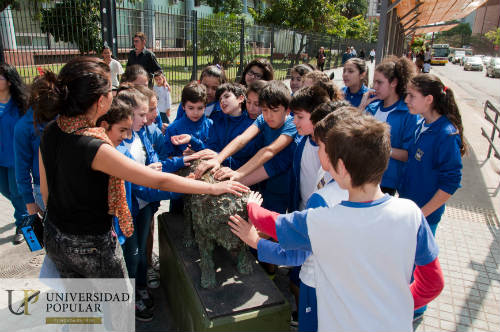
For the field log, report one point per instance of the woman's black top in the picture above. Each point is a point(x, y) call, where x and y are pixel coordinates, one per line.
point(78, 195)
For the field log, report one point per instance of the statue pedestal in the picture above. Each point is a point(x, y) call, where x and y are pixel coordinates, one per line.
point(240, 303)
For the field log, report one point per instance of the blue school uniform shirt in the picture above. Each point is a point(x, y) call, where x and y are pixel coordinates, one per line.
point(134, 191)
point(283, 160)
point(403, 125)
point(354, 98)
point(26, 144)
point(198, 130)
point(210, 109)
point(224, 129)
point(9, 115)
point(434, 162)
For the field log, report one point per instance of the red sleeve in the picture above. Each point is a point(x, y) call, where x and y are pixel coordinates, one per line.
point(427, 284)
point(263, 219)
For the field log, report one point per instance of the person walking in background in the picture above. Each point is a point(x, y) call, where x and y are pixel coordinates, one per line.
point(372, 55)
point(115, 67)
point(321, 58)
point(362, 54)
point(347, 55)
point(140, 55)
point(13, 105)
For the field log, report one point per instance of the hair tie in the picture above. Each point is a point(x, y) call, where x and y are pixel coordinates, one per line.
point(445, 88)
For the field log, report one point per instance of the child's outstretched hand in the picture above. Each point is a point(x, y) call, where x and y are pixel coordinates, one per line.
point(244, 230)
point(227, 173)
point(187, 160)
point(156, 166)
point(205, 154)
point(254, 197)
point(180, 139)
point(205, 166)
point(231, 187)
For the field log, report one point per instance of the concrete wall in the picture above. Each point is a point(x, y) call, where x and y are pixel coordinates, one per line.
point(487, 17)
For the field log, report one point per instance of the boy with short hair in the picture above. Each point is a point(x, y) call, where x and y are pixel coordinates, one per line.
point(230, 122)
point(193, 128)
point(278, 130)
point(365, 248)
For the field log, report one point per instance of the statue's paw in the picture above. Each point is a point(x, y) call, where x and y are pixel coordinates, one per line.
point(189, 242)
point(245, 267)
point(208, 279)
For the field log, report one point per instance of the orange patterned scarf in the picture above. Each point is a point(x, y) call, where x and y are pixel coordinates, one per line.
point(117, 199)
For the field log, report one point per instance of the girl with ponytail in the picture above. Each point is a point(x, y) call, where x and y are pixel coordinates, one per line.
point(387, 105)
point(434, 168)
point(355, 76)
point(82, 175)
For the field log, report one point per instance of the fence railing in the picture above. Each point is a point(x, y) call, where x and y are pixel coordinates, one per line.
point(45, 38)
point(495, 130)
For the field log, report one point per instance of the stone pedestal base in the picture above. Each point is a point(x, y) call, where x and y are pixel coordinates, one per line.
point(240, 303)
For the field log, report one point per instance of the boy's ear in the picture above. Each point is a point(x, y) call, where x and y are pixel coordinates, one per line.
point(241, 99)
point(104, 124)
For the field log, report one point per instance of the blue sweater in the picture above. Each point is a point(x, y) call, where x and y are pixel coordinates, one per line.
point(198, 131)
point(403, 126)
point(26, 144)
point(354, 98)
point(153, 142)
point(9, 115)
point(434, 162)
point(135, 191)
point(225, 128)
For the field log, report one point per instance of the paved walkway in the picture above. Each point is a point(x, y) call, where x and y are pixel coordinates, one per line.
point(468, 237)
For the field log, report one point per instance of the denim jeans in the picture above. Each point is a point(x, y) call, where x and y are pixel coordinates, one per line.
point(134, 248)
point(8, 188)
point(37, 194)
point(84, 256)
point(433, 228)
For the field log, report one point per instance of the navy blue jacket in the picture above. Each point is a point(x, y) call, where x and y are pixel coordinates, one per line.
point(294, 192)
point(26, 144)
point(403, 125)
point(198, 131)
point(354, 98)
point(9, 115)
point(434, 162)
point(225, 128)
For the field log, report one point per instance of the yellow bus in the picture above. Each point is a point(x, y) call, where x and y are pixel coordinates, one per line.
point(439, 55)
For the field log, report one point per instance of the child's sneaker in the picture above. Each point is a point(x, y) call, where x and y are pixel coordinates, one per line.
point(142, 313)
point(145, 297)
point(153, 278)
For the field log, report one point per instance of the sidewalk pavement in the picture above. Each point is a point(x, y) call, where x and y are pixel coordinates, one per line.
point(468, 238)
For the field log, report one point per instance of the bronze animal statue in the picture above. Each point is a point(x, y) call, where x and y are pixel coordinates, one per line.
point(207, 217)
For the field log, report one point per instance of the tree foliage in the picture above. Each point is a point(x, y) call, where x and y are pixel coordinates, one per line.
point(226, 6)
point(219, 36)
point(354, 8)
point(494, 36)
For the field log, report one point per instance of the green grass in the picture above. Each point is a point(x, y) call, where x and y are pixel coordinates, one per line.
point(178, 75)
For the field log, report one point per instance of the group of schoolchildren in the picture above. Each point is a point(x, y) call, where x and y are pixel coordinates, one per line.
point(328, 163)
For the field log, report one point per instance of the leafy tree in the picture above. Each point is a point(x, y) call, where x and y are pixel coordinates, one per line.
point(353, 8)
point(74, 21)
point(494, 36)
point(463, 30)
point(226, 6)
point(219, 36)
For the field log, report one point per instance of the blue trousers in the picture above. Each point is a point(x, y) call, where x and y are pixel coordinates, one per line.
point(8, 188)
point(308, 309)
point(433, 228)
point(134, 248)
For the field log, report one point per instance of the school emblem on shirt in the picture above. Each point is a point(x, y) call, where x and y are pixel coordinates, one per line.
point(419, 154)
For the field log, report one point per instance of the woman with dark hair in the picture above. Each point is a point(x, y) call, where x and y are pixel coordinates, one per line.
point(13, 105)
point(257, 69)
point(82, 176)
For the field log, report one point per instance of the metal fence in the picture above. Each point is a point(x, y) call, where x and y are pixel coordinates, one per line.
point(35, 39)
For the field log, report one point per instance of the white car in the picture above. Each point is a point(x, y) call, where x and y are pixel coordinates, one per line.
point(473, 63)
point(486, 60)
point(493, 67)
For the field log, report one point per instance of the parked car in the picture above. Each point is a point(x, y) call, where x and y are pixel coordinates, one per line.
point(458, 56)
point(473, 63)
point(493, 67)
point(486, 60)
